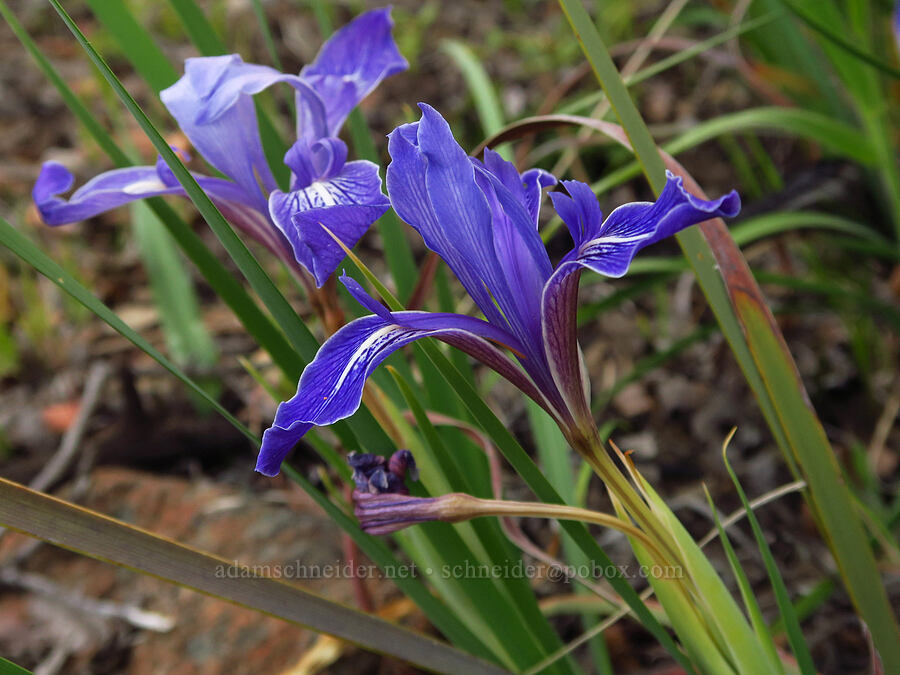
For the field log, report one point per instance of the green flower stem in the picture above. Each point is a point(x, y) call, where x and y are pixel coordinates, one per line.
point(456, 507)
point(590, 446)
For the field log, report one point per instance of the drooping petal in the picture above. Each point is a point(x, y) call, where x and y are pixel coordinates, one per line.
point(357, 183)
point(114, 188)
point(608, 251)
point(331, 386)
point(122, 186)
point(213, 105)
point(277, 442)
point(102, 193)
point(673, 211)
point(347, 204)
point(484, 350)
point(315, 248)
point(352, 63)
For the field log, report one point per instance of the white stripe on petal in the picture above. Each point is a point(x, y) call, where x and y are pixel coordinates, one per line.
point(142, 186)
point(361, 356)
point(326, 196)
point(618, 240)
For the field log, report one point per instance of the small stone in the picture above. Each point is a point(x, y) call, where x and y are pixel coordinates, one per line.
point(633, 400)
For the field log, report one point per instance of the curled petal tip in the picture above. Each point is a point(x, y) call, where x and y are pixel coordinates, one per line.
point(726, 206)
point(53, 180)
point(277, 443)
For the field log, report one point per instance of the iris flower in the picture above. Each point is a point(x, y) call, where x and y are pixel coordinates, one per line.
point(481, 218)
point(213, 105)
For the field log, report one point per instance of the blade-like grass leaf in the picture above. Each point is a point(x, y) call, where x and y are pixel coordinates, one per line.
point(487, 105)
point(27, 251)
point(523, 613)
point(376, 549)
point(109, 540)
point(260, 14)
point(760, 350)
point(557, 463)
point(788, 614)
point(187, 338)
point(9, 668)
point(823, 29)
point(136, 43)
point(198, 28)
point(831, 494)
point(750, 603)
point(587, 102)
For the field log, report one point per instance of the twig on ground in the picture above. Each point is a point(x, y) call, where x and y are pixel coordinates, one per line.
point(137, 617)
point(56, 467)
point(71, 441)
point(883, 428)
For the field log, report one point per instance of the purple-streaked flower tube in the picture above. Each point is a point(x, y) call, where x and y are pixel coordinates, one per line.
point(382, 502)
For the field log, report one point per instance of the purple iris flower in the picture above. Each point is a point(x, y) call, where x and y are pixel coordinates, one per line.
point(213, 105)
point(481, 218)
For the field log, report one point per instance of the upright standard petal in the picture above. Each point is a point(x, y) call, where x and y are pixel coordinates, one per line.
point(213, 105)
point(580, 211)
point(459, 205)
point(219, 82)
point(352, 63)
point(523, 267)
point(332, 384)
point(482, 229)
point(608, 248)
point(411, 198)
point(314, 161)
point(526, 187)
